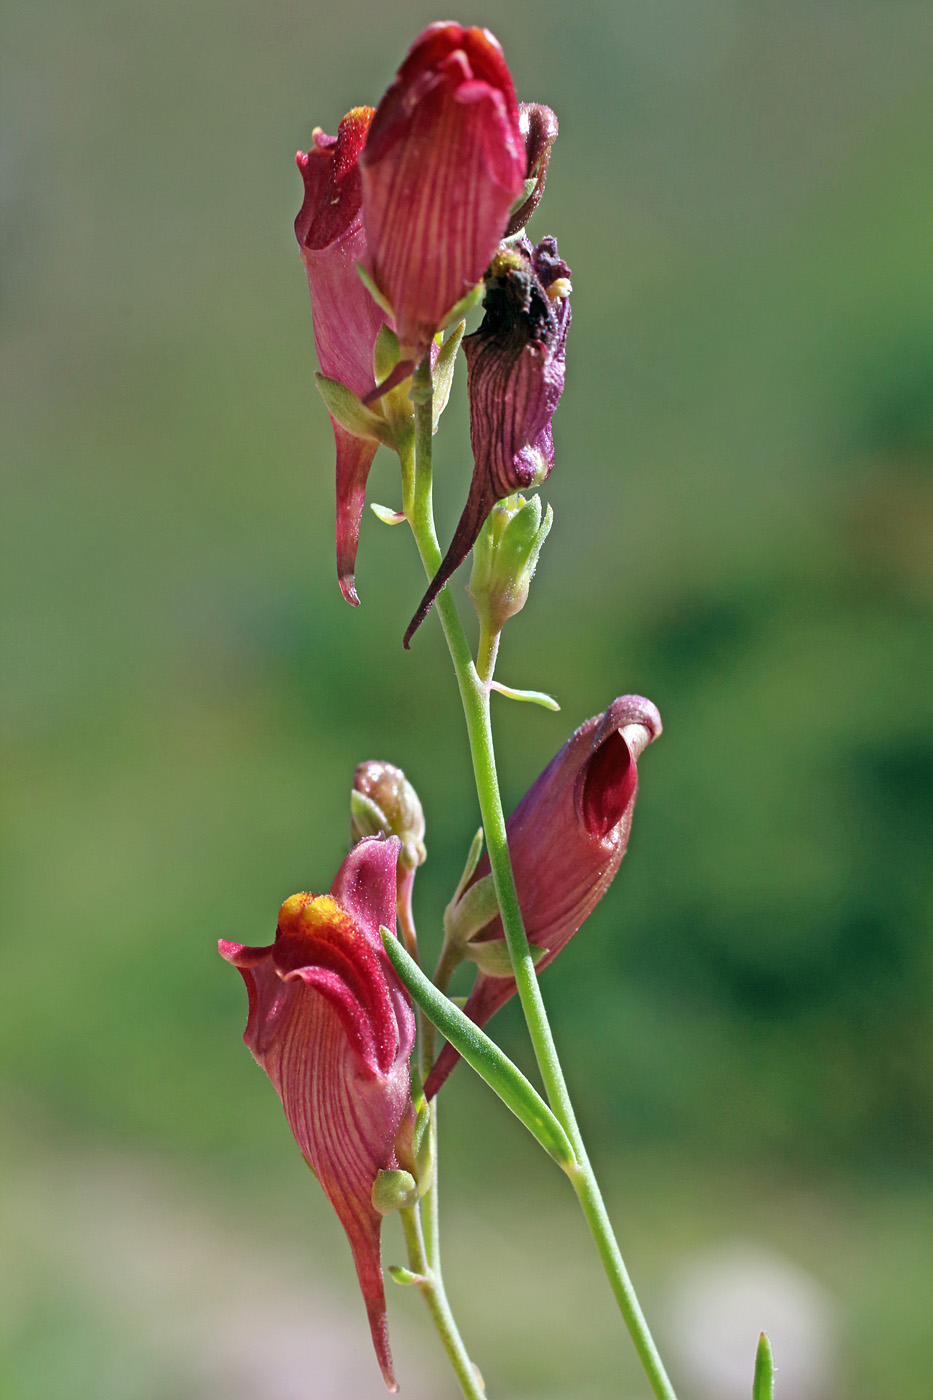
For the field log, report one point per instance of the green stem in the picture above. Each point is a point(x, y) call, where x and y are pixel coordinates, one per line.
point(475, 693)
point(431, 1287)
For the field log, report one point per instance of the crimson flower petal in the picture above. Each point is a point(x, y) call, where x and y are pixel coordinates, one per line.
point(333, 1028)
point(567, 838)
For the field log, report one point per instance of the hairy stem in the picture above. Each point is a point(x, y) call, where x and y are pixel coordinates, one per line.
point(430, 1285)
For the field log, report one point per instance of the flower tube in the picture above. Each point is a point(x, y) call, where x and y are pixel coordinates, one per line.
point(333, 1028)
point(567, 838)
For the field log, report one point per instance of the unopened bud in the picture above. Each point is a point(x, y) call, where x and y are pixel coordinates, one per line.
point(505, 557)
point(538, 126)
point(393, 1190)
point(384, 803)
point(414, 1142)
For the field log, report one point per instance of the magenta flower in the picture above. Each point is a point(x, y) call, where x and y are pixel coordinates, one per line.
point(443, 164)
point(329, 228)
point(515, 370)
point(567, 838)
point(333, 1028)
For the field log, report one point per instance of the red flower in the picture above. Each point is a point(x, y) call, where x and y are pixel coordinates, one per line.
point(329, 228)
point(333, 1028)
point(567, 838)
point(443, 164)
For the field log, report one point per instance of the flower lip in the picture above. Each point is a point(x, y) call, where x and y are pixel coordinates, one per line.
point(333, 190)
point(607, 782)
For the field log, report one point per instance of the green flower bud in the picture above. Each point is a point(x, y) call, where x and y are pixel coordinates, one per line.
point(384, 803)
point(393, 1190)
point(505, 556)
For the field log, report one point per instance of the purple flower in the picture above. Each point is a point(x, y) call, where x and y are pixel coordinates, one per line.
point(333, 1028)
point(515, 368)
point(329, 228)
point(567, 837)
point(443, 164)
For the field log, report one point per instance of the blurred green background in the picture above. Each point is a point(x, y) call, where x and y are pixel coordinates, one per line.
point(744, 533)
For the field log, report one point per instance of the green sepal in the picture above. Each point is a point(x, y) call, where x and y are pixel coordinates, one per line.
point(528, 190)
point(386, 353)
point(475, 908)
point(534, 697)
point(763, 1384)
point(483, 1055)
point(444, 372)
point(393, 1190)
point(347, 410)
point(373, 290)
point(422, 1138)
point(386, 514)
point(366, 815)
point(465, 305)
point(399, 1274)
point(472, 861)
point(491, 956)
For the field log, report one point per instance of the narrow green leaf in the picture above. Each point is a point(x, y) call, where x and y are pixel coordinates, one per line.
point(444, 372)
point(404, 1276)
point(483, 1055)
point(763, 1384)
point(534, 697)
point(387, 515)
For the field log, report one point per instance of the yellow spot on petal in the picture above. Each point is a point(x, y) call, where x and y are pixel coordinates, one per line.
point(316, 916)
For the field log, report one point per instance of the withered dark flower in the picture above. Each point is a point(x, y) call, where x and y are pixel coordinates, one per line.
point(515, 367)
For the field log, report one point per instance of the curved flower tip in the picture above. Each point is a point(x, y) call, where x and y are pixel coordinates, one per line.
point(515, 377)
point(538, 126)
point(329, 229)
point(567, 838)
point(333, 1028)
point(354, 460)
point(443, 164)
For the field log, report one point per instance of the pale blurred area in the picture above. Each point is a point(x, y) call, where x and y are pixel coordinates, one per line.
point(743, 532)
